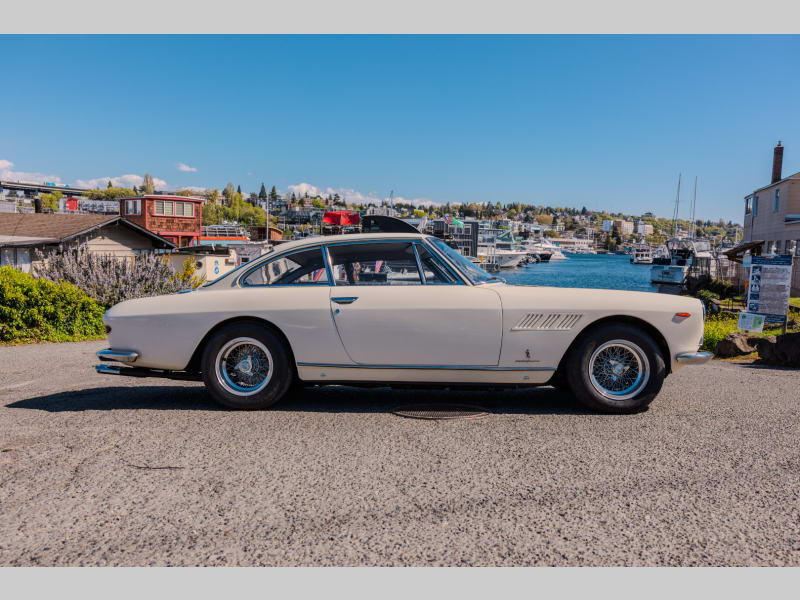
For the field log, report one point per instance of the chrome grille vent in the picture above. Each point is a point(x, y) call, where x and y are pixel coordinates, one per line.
point(547, 322)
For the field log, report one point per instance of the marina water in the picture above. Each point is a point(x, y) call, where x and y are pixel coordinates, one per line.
point(601, 271)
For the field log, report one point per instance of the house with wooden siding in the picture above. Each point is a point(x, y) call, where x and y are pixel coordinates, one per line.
point(21, 234)
point(178, 219)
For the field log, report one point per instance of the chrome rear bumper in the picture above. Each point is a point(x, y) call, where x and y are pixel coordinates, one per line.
point(694, 358)
point(118, 355)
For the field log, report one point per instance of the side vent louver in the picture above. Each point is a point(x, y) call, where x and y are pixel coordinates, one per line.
point(547, 322)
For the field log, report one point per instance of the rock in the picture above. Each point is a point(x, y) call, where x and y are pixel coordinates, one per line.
point(787, 348)
point(766, 350)
point(735, 344)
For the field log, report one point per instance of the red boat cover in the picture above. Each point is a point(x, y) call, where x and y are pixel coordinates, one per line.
point(341, 217)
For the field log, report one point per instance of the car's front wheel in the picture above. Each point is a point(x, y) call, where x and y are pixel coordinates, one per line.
point(246, 366)
point(616, 368)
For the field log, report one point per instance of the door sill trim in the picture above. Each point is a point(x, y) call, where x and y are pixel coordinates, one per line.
point(425, 367)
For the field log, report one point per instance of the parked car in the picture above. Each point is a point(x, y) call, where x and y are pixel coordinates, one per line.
point(401, 309)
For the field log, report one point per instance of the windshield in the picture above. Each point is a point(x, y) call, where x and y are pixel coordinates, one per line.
point(472, 272)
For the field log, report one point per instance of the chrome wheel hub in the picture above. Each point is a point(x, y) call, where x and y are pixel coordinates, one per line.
point(244, 366)
point(619, 369)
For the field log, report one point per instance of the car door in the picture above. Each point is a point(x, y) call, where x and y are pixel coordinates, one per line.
point(388, 313)
point(291, 291)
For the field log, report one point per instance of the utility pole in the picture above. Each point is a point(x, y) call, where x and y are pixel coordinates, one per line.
point(694, 206)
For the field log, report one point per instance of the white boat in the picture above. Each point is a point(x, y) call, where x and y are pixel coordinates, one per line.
point(684, 254)
point(546, 250)
point(505, 259)
point(641, 255)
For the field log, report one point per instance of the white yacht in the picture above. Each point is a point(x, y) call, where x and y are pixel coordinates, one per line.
point(641, 255)
point(546, 250)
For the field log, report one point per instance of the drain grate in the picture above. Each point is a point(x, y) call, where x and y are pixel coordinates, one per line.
point(441, 412)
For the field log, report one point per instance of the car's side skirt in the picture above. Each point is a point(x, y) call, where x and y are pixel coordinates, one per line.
point(424, 373)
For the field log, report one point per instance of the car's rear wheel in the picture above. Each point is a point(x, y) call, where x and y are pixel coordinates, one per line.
point(246, 366)
point(616, 368)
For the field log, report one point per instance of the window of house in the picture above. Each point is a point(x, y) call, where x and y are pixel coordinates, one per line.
point(133, 207)
point(776, 200)
point(305, 267)
point(748, 206)
point(379, 263)
point(777, 247)
point(184, 209)
point(755, 206)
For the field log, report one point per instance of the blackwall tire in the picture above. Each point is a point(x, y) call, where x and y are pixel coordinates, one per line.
point(246, 366)
point(616, 368)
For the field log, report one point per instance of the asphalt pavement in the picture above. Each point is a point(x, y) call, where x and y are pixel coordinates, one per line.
point(103, 470)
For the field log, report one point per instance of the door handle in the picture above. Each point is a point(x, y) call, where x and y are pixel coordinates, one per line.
point(344, 299)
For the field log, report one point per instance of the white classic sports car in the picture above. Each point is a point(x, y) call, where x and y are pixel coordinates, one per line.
point(401, 309)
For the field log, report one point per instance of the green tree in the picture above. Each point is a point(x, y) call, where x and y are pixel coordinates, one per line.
point(148, 184)
point(238, 189)
point(317, 203)
point(113, 193)
point(228, 193)
point(262, 194)
point(273, 195)
point(51, 201)
point(109, 186)
point(211, 195)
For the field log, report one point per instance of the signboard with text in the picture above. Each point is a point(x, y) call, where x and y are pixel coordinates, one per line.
point(769, 287)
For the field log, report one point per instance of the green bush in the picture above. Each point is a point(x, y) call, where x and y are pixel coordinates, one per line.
point(716, 329)
point(37, 310)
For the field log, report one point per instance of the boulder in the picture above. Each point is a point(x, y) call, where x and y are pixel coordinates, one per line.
point(787, 348)
point(766, 350)
point(737, 343)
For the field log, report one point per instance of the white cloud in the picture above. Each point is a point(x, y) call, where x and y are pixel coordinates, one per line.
point(191, 188)
point(25, 176)
point(354, 196)
point(121, 181)
point(5, 164)
point(184, 167)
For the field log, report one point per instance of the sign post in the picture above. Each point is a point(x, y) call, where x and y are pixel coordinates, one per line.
point(768, 292)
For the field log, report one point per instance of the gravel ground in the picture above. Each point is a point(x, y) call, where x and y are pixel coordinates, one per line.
point(97, 470)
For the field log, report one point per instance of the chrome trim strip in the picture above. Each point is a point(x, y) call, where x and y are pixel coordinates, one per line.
point(426, 367)
point(326, 257)
point(694, 358)
point(118, 355)
point(454, 270)
point(419, 263)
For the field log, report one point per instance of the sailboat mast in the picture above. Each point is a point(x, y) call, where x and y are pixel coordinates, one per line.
point(675, 214)
point(694, 207)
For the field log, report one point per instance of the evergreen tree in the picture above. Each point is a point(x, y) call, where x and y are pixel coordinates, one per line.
point(238, 189)
point(273, 194)
point(109, 184)
point(262, 194)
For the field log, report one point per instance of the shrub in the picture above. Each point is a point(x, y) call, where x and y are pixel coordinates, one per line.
point(108, 279)
point(33, 310)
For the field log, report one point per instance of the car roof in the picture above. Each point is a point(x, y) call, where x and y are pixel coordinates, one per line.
point(348, 237)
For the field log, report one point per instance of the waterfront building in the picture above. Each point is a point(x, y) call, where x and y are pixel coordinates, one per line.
point(643, 228)
point(21, 234)
point(772, 212)
point(176, 218)
point(384, 211)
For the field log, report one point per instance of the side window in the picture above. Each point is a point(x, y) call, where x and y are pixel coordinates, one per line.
point(435, 272)
point(379, 263)
point(305, 267)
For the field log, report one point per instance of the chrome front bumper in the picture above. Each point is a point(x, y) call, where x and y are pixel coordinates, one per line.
point(694, 358)
point(118, 356)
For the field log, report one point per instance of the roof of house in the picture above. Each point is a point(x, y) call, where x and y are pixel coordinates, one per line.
point(792, 176)
point(53, 228)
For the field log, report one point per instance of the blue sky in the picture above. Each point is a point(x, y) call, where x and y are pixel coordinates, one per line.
point(601, 121)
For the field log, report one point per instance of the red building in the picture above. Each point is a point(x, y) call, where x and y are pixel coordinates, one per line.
point(176, 218)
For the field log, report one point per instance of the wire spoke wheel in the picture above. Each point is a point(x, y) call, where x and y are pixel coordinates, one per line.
point(619, 369)
point(244, 366)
